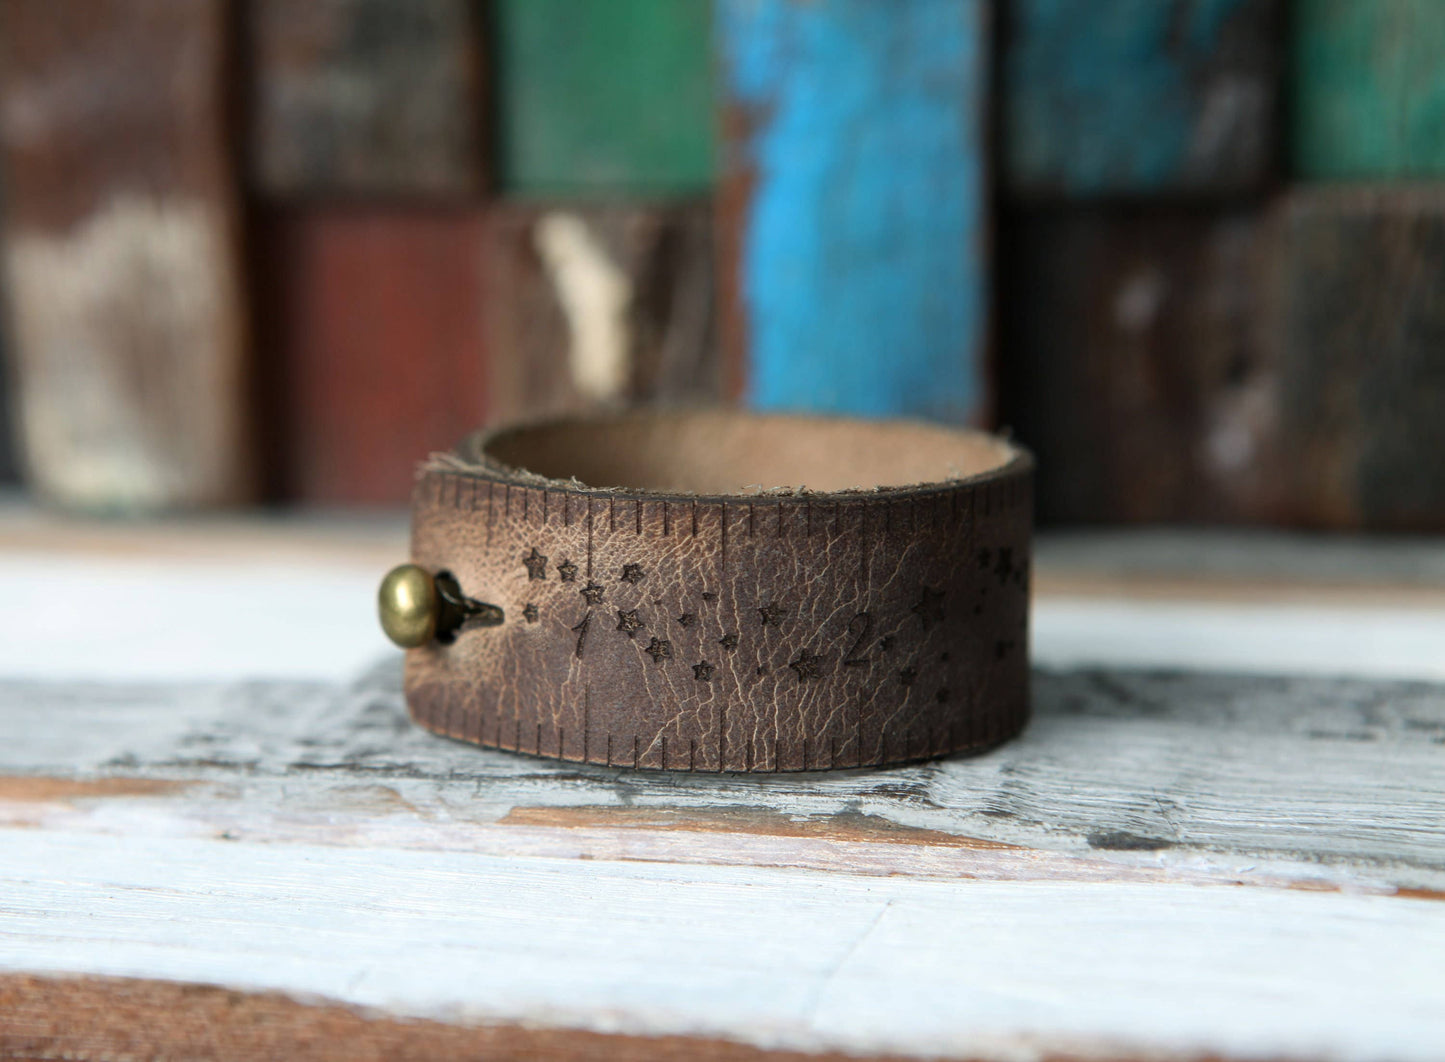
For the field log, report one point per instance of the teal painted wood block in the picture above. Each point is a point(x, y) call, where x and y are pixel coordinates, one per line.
point(1125, 97)
point(853, 222)
point(1369, 88)
point(609, 98)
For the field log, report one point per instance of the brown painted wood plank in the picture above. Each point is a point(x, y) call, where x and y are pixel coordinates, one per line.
point(1276, 367)
point(367, 96)
point(1362, 365)
point(107, 1018)
point(122, 252)
point(1137, 365)
point(376, 345)
point(593, 306)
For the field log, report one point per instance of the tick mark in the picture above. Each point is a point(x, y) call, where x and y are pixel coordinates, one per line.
point(659, 649)
point(536, 565)
point(592, 593)
point(729, 641)
point(530, 612)
point(1005, 569)
point(567, 571)
point(907, 675)
point(629, 623)
point(633, 574)
point(772, 615)
point(806, 665)
point(708, 595)
point(887, 642)
point(687, 619)
point(929, 608)
point(703, 671)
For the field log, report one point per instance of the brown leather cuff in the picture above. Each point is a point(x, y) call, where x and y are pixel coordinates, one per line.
point(699, 615)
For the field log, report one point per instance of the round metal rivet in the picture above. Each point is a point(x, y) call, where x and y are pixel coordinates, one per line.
point(407, 602)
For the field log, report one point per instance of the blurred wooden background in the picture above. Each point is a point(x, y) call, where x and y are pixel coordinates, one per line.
point(1190, 251)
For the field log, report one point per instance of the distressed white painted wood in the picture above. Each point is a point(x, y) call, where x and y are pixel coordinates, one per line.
point(254, 600)
point(1167, 862)
point(1354, 640)
point(1158, 768)
point(776, 957)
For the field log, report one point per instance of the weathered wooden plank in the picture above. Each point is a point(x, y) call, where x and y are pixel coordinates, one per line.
point(64, 1017)
point(1268, 616)
point(852, 223)
point(781, 958)
point(598, 305)
point(122, 253)
point(1124, 97)
point(377, 347)
point(1362, 365)
point(1277, 776)
point(1368, 88)
point(611, 99)
point(366, 96)
point(1138, 365)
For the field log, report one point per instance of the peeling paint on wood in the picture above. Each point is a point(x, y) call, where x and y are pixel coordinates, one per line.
point(1148, 769)
point(122, 254)
point(600, 305)
point(777, 958)
point(853, 230)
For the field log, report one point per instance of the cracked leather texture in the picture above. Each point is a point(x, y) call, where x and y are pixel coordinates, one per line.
point(750, 632)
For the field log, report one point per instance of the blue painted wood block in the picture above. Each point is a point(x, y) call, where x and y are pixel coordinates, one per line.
point(1140, 96)
point(852, 208)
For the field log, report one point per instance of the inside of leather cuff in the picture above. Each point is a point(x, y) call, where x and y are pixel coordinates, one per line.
point(720, 452)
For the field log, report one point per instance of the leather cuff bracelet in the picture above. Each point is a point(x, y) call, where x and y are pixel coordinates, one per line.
point(638, 590)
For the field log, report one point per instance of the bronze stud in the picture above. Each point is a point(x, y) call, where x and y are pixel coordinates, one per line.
point(408, 604)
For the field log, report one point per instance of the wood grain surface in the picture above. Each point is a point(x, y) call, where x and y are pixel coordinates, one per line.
point(123, 253)
point(1155, 852)
point(101, 1019)
point(1167, 864)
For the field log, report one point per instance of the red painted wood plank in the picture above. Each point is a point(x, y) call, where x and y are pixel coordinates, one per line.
point(375, 319)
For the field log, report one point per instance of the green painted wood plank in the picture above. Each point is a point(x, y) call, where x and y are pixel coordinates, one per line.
point(604, 98)
point(1369, 88)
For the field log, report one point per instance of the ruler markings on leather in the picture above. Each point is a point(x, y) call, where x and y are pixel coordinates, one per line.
point(789, 522)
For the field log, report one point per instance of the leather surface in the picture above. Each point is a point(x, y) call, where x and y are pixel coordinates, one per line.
point(748, 632)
